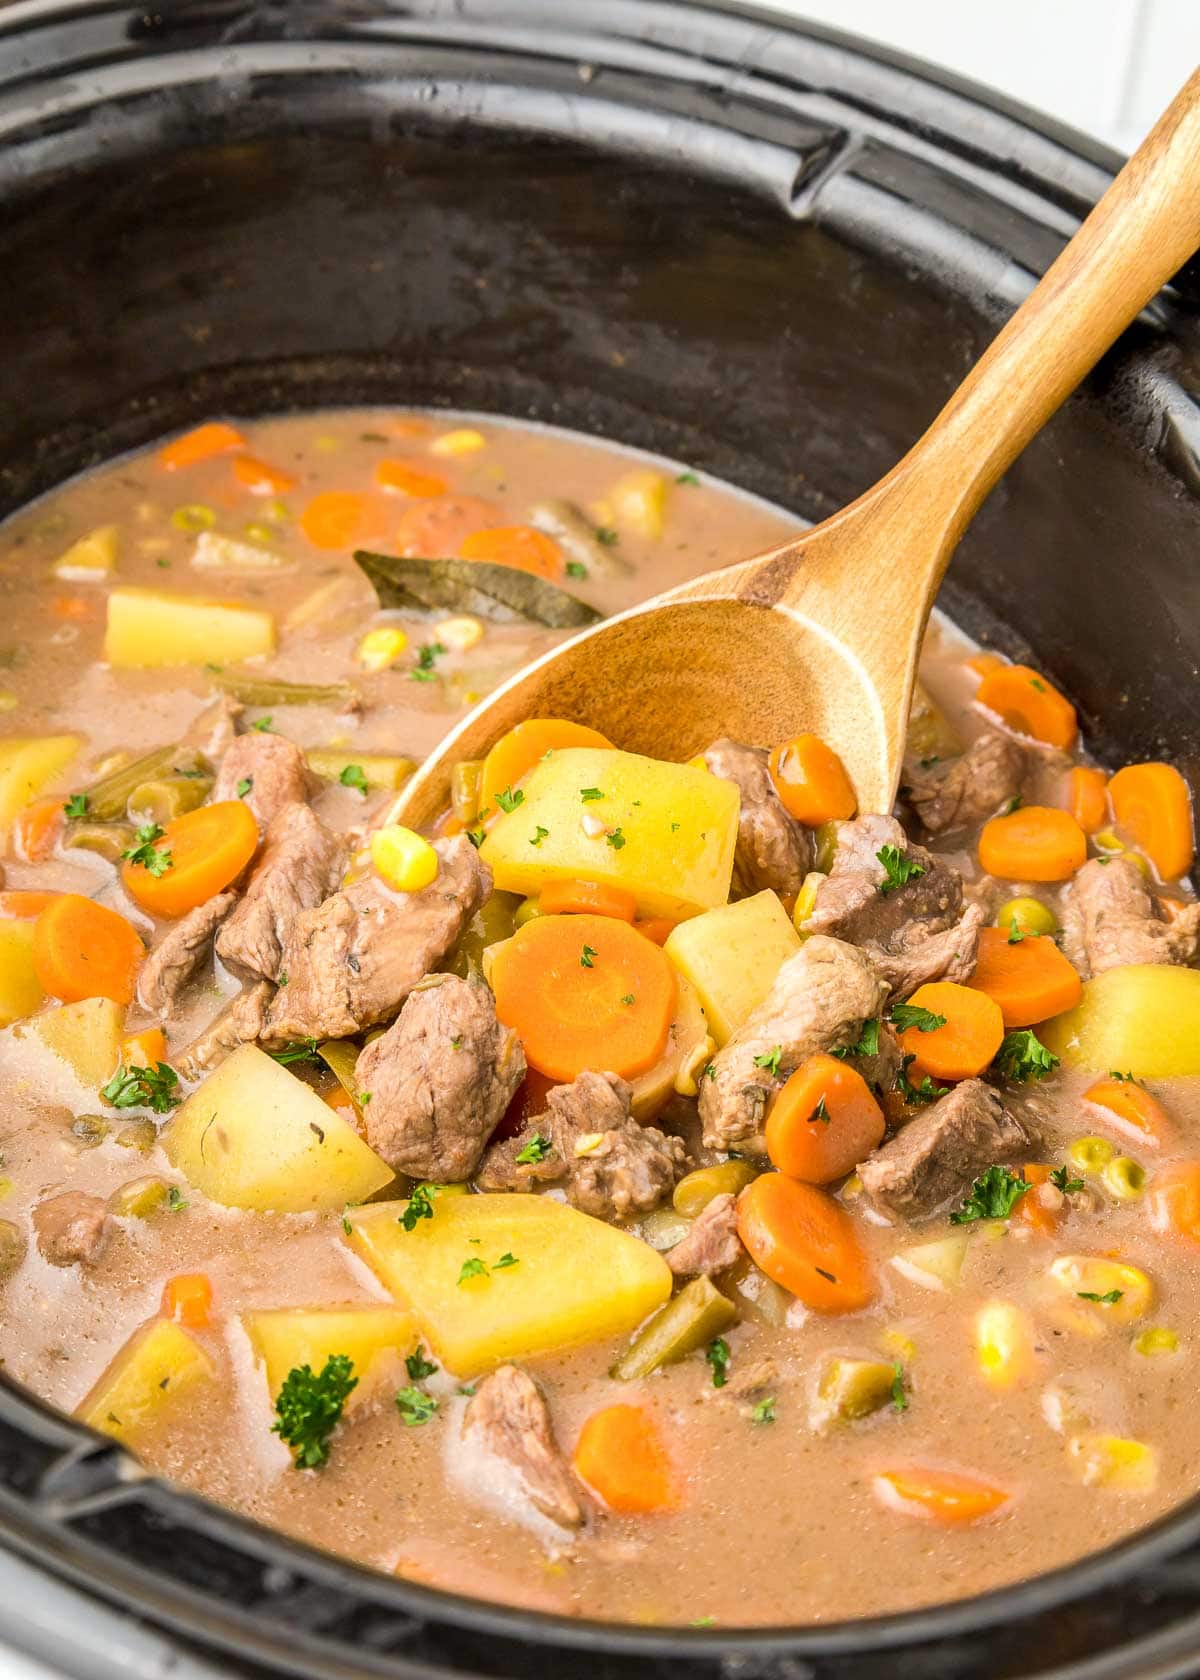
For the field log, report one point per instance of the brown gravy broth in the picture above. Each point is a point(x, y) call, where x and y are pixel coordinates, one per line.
point(778, 1522)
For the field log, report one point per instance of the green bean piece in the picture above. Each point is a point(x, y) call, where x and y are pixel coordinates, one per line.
point(464, 789)
point(489, 926)
point(141, 1196)
point(107, 840)
point(576, 535)
point(850, 1389)
point(380, 770)
point(276, 691)
point(341, 1058)
point(696, 1189)
point(689, 1321)
point(167, 797)
point(88, 1130)
point(108, 799)
point(827, 844)
point(141, 1135)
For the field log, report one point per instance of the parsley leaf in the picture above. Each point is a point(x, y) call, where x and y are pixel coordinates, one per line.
point(176, 1200)
point(820, 1113)
point(925, 1092)
point(1022, 1056)
point(585, 960)
point(535, 1150)
point(628, 999)
point(1123, 1078)
point(867, 1043)
point(616, 839)
point(423, 670)
point(417, 1366)
point(477, 836)
point(509, 798)
point(770, 1060)
point(686, 478)
point(606, 536)
point(472, 1268)
point(156, 860)
point(576, 569)
point(899, 1392)
point(353, 775)
point(309, 1407)
point(1060, 1181)
point(263, 724)
point(298, 1050)
point(420, 1206)
point(994, 1195)
point(717, 1355)
point(415, 1407)
point(898, 870)
point(244, 786)
point(135, 1087)
point(538, 835)
point(504, 1262)
point(1108, 1299)
point(1016, 933)
point(1011, 805)
point(587, 794)
point(77, 805)
point(764, 1412)
point(906, 1015)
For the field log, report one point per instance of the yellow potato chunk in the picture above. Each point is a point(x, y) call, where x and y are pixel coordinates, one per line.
point(86, 1035)
point(151, 627)
point(1099, 1291)
point(1143, 1019)
point(90, 560)
point(1003, 1344)
point(374, 1339)
point(664, 832)
point(731, 955)
point(255, 1136)
point(1113, 1461)
point(934, 1265)
point(20, 990)
point(159, 1363)
point(572, 1279)
point(27, 764)
point(639, 502)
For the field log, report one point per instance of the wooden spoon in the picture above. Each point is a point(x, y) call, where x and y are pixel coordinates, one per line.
point(823, 633)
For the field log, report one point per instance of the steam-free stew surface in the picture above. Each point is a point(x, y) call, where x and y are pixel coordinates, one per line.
point(1014, 1411)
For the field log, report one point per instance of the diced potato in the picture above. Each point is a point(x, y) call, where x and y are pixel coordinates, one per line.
point(1113, 1461)
point(255, 1136)
point(215, 553)
point(1105, 1292)
point(1004, 1344)
point(731, 955)
point(688, 1048)
point(850, 1389)
point(677, 826)
point(158, 1364)
point(1143, 1019)
point(151, 627)
point(20, 989)
point(575, 1279)
point(639, 502)
point(374, 1339)
point(934, 1265)
point(381, 770)
point(92, 559)
point(27, 764)
point(86, 1035)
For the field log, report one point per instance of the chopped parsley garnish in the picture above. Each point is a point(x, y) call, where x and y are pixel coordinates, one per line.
point(353, 775)
point(616, 839)
point(686, 478)
point(263, 724)
point(176, 1200)
point(994, 1195)
point(504, 1262)
point(925, 1092)
point(247, 782)
point(1060, 1181)
point(297, 1050)
point(585, 960)
point(309, 1407)
point(576, 569)
point(1016, 933)
point(420, 1206)
point(867, 1043)
point(820, 1114)
point(906, 1015)
point(717, 1355)
point(1123, 1078)
point(538, 835)
point(423, 670)
point(535, 1150)
point(140, 1087)
point(898, 870)
point(1022, 1056)
point(509, 798)
point(628, 999)
point(1011, 805)
point(472, 1268)
point(710, 1071)
point(415, 1407)
point(1108, 1299)
point(588, 794)
point(477, 836)
point(899, 1393)
point(606, 536)
point(1035, 683)
point(770, 1060)
point(764, 1411)
point(156, 860)
point(77, 805)
point(674, 828)
point(417, 1366)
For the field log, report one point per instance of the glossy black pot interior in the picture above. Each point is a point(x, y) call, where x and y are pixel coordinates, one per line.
point(756, 248)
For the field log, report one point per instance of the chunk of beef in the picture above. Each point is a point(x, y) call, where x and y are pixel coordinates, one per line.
point(1110, 918)
point(275, 768)
point(352, 961)
point(72, 1229)
point(180, 954)
point(819, 1001)
point(440, 1080)
point(960, 793)
point(712, 1244)
point(944, 1149)
point(300, 865)
point(913, 933)
point(881, 1069)
point(507, 1422)
point(240, 1022)
point(610, 1165)
point(773, 850)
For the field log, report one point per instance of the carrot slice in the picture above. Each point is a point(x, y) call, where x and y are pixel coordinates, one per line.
point(1173, 1200)
point(144, 1049)
point(201, 444)
point(803, 1240)
point(432, 529)
point(811, 781)
point(584, 992)
point(188, 1300)
point(658, 929)
point(401, 478)
point(1087, 797)
point(36, 829)
point(621, 1457)
point(1029, 1210)
point(1030, 704)
point(208, 848)
point(522, 546)
point(1031, 980)
point(970, 1038)
point(588, 898)
point(1152, 804)
point(335, 519)
point(941, 1496)
point(984, 663)
point(260, 477)
point(83, 950)
point(1036, 843)
point(516, 753)
point(23, 905)
point(1132, 1105)
point(71, 607)
point(823, 1121)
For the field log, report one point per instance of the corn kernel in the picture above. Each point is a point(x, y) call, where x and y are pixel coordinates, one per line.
point(1090, 1284)
point(380, 648)
point(1108, 840)
point(639, 501)
point(1091, 1154)
point(1156, 1341)
point(806, 898)
point(91, 558)
point(1003, 1344)
point(852, 1189)
point(589, 1143)
point(899, 1345)
point(403, 860)
point(1124, 1178)
point(459, 634)
point(6, 1188)
point(1113, 1461)
point(464, 440)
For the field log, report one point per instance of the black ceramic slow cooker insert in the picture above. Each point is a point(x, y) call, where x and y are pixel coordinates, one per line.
point(750, 244)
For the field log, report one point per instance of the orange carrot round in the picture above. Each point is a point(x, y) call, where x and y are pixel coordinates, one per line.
point(1036, 843)
point(144, 1049)
point(1132, 1105)
point(522, 546)
point(1030, 980)
point(208, 848)
point(36, 829)
point(260, 477)
point(188, 1300)
point(200, 444)
point(585, 992)
point(811, 781)
point(621, 1457)
point(24, 905)
point(1152, 804)
point(433, 529)
point(970, 1038)
point(658, 929)
point(984, 663)
point(587, 898)
point(941, 1496)
point(335, 519)
point(1029, 704)
point(1087, 796)
point(823, 1122)
point(402, 478)
point(83, 950)
point(525, 745)
point(1173, 1201)
point(1029, 1210)
point(804, 1241)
